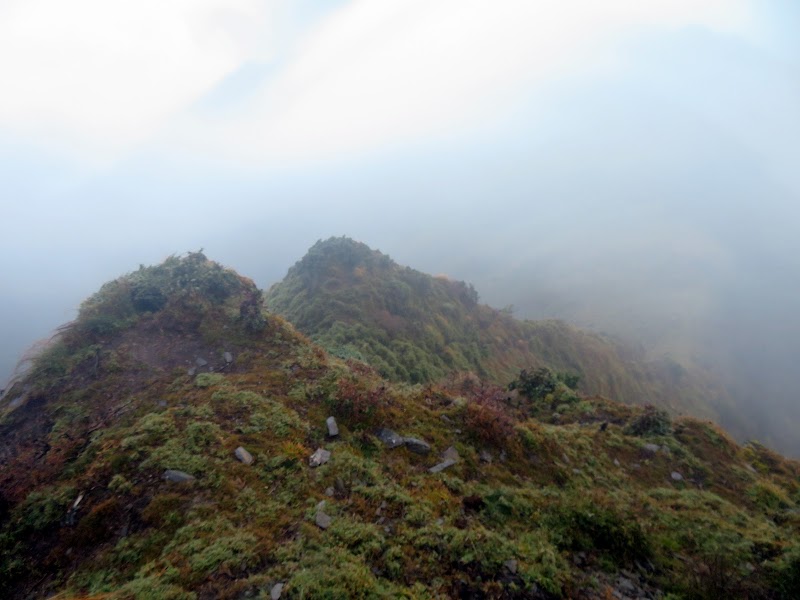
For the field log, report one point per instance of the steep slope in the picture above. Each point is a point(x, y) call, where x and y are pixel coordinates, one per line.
point(357, 302)
point(126, 472)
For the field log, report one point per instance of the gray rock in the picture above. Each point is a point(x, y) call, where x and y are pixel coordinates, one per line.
point(652, 448)
point(512, 566)
point(162, 403)
point(192, 371)
point(200, 362)
point(451, 454)
point(320, 457)
point(417, 445)
point(443, 465)
point(333, 428)
point(626, 586)
point(276, 591)
point(485, 456)
point(676, 476)
point(228, 357)
point(616, 462)
point(322, 520)
point(243, 455)
point(390, 438)
point(177, 476)
point(329, 491)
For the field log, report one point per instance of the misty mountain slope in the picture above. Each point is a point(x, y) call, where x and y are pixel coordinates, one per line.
point(120, 478)
point(412, 327)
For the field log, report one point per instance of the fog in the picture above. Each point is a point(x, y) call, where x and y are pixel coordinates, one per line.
point(645, 187)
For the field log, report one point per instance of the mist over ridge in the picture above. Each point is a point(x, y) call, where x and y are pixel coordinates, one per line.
point(651, 195)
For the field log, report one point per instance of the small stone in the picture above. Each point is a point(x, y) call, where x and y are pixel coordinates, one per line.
point(417, 445)
point(329, 492)
point(177, 476)
point(652, 448)
point(577, 471)
point(750, 468)
point(442, 466)
point(200, 362)
point(511, 565)
point(616, 462)
point(566, 458)
point(626, 585)
point(320, 457)
point(333, 428)
point(390, 438)
point(485, 456)
point(676, 476)
point(321, 504)
point(228, 357)
point(322, 520)
point(665, 449)
point(192, 371)
point(439, 521)
point(243, 455)
point(162, 403)
point(451, 454)
point(276, 591)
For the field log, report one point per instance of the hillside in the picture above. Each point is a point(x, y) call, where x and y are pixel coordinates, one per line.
point(412, 327)
point(173, 443)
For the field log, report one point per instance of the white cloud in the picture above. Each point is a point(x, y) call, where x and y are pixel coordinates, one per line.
point(106, 74)
point(109, 72)
point(384, 72)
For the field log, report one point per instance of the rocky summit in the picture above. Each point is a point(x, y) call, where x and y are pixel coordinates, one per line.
point(175, 442)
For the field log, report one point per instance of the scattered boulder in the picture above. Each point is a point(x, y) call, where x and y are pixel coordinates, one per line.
point(243, 455)
point(676, 476)
point(320, 457)
point(416, 445)
point(177, 476)
point(276, 591)
point(200, 362)
point(451, 454)
point(333, 428)
point(329, 491)
point(228, 357)
point(445, 464)
point(323, 520)
point(390, 438)
point(511, 565)
point(485, 456)
point(652, 448)
point(616, 462)
point(191, 371)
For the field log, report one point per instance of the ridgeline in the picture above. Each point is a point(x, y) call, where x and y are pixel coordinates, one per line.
point(178, 441)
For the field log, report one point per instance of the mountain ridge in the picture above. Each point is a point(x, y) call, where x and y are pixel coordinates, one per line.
point(414, 327)
point(125, 472)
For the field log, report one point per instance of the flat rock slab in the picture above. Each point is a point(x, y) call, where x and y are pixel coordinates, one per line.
point(200, 362)
point(416, 445)
point(243, 455)
point(445, 464)
point(177, 476)
point(320, 457)
point(333, 428)
point(390, 438)
point(676, 476)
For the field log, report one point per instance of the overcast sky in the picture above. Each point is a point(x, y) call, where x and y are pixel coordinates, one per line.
point(628, 165)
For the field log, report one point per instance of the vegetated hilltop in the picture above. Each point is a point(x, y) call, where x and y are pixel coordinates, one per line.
point(174, 442)
point(412, 327)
